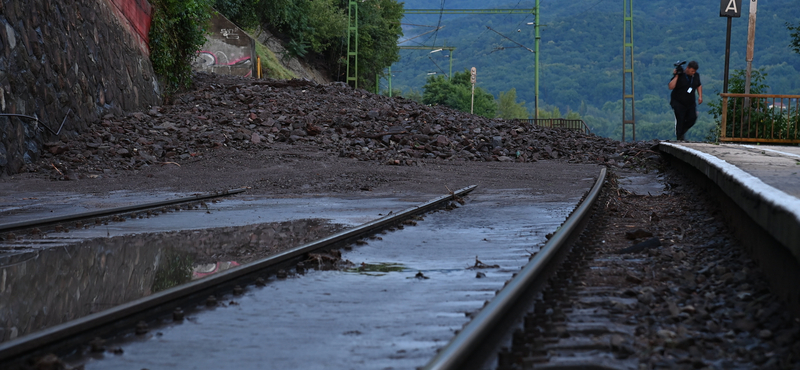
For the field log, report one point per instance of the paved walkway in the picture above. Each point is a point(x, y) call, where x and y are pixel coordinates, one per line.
point(778, 166)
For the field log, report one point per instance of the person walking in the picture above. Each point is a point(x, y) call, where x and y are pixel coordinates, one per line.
point(682, 99)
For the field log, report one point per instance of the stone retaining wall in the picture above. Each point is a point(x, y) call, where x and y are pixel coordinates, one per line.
point(81, 56)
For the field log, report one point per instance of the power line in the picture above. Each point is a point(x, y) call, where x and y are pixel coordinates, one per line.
point(437, 66)
point(436, 34)
point(420, 35)
point(509, 39)
point(417, 25)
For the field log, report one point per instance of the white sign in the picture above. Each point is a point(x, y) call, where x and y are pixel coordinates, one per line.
point(730, 8)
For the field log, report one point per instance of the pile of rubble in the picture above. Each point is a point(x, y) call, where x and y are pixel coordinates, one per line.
point(250, 115)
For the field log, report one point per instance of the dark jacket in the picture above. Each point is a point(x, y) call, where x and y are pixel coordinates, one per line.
point(680, 93)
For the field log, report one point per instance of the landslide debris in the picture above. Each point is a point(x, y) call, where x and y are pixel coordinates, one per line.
point(250, 115)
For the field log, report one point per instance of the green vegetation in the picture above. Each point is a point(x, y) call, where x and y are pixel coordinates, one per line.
point(378, 32)
point(177, 31)
point(760, 120)
point(412, 94)
point(508, 108)
point(270, 65)
point(795, 32)
point(320, 27)
point(456, 93)
point(581, 55)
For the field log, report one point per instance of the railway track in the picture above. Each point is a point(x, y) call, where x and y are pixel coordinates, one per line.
point(415, 290)
point(63, 223)
point(443, 291)
point(63, 338)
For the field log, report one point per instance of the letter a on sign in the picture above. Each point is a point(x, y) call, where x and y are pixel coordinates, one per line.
point(730, 8)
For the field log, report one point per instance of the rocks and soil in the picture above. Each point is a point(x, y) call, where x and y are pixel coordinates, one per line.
point(701, 301)
point(245, 115)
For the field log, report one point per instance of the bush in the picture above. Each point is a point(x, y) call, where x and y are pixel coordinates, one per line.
point(748, 118)
point(177, 31)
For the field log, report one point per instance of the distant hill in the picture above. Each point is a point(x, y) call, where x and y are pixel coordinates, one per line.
point(581, 54)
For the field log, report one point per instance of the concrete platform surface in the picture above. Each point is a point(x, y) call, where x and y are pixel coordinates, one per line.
point(763, 180)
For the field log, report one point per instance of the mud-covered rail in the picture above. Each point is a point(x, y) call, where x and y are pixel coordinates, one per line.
point(66, 337)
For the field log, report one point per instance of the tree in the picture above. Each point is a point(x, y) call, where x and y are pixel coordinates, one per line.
point(508, 108)
point(414, 95)
point(456, 93)
point(436, 91)
point(241, 12)
point(378, 32)
point(795, 45)
point(177, 31)
point(544, 113)
point(320, 26)
point(327, 24)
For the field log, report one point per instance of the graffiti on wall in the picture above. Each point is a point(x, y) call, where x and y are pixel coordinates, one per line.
point(228, 50)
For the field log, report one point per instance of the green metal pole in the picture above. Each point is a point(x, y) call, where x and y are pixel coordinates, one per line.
point(390, 81)
point(538, 37)
point(352, 47)
point(377, 84)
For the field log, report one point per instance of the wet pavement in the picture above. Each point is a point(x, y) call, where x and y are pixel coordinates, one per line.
point(413, 289)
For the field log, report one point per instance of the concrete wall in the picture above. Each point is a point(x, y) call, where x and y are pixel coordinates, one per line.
point(84, 56)
point(228, 50)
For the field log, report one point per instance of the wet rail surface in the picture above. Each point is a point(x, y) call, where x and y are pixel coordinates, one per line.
point(65, 336)
point(393, 301)
point(404, 296)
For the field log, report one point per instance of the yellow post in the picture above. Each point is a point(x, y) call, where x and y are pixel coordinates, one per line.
point(258, 67)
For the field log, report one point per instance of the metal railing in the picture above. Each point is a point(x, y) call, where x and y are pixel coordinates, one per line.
point(764, 118)
point(570, 124)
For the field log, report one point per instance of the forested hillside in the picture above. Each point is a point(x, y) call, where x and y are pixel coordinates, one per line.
point(581, 54)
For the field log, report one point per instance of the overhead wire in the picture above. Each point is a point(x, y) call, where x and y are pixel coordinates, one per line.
point(474, 41)
point(509, 39)
point(441, 13)
point(437, 66)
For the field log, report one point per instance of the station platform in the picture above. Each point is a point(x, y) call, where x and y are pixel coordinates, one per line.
point(763, 182)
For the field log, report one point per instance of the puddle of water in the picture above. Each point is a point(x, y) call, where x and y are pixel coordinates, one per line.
point(228, 212)
point(51, 286)
point(643, 184)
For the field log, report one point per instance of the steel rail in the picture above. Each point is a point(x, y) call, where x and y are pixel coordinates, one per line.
point(459, 352)
point(111, 211)
point(124, 316)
